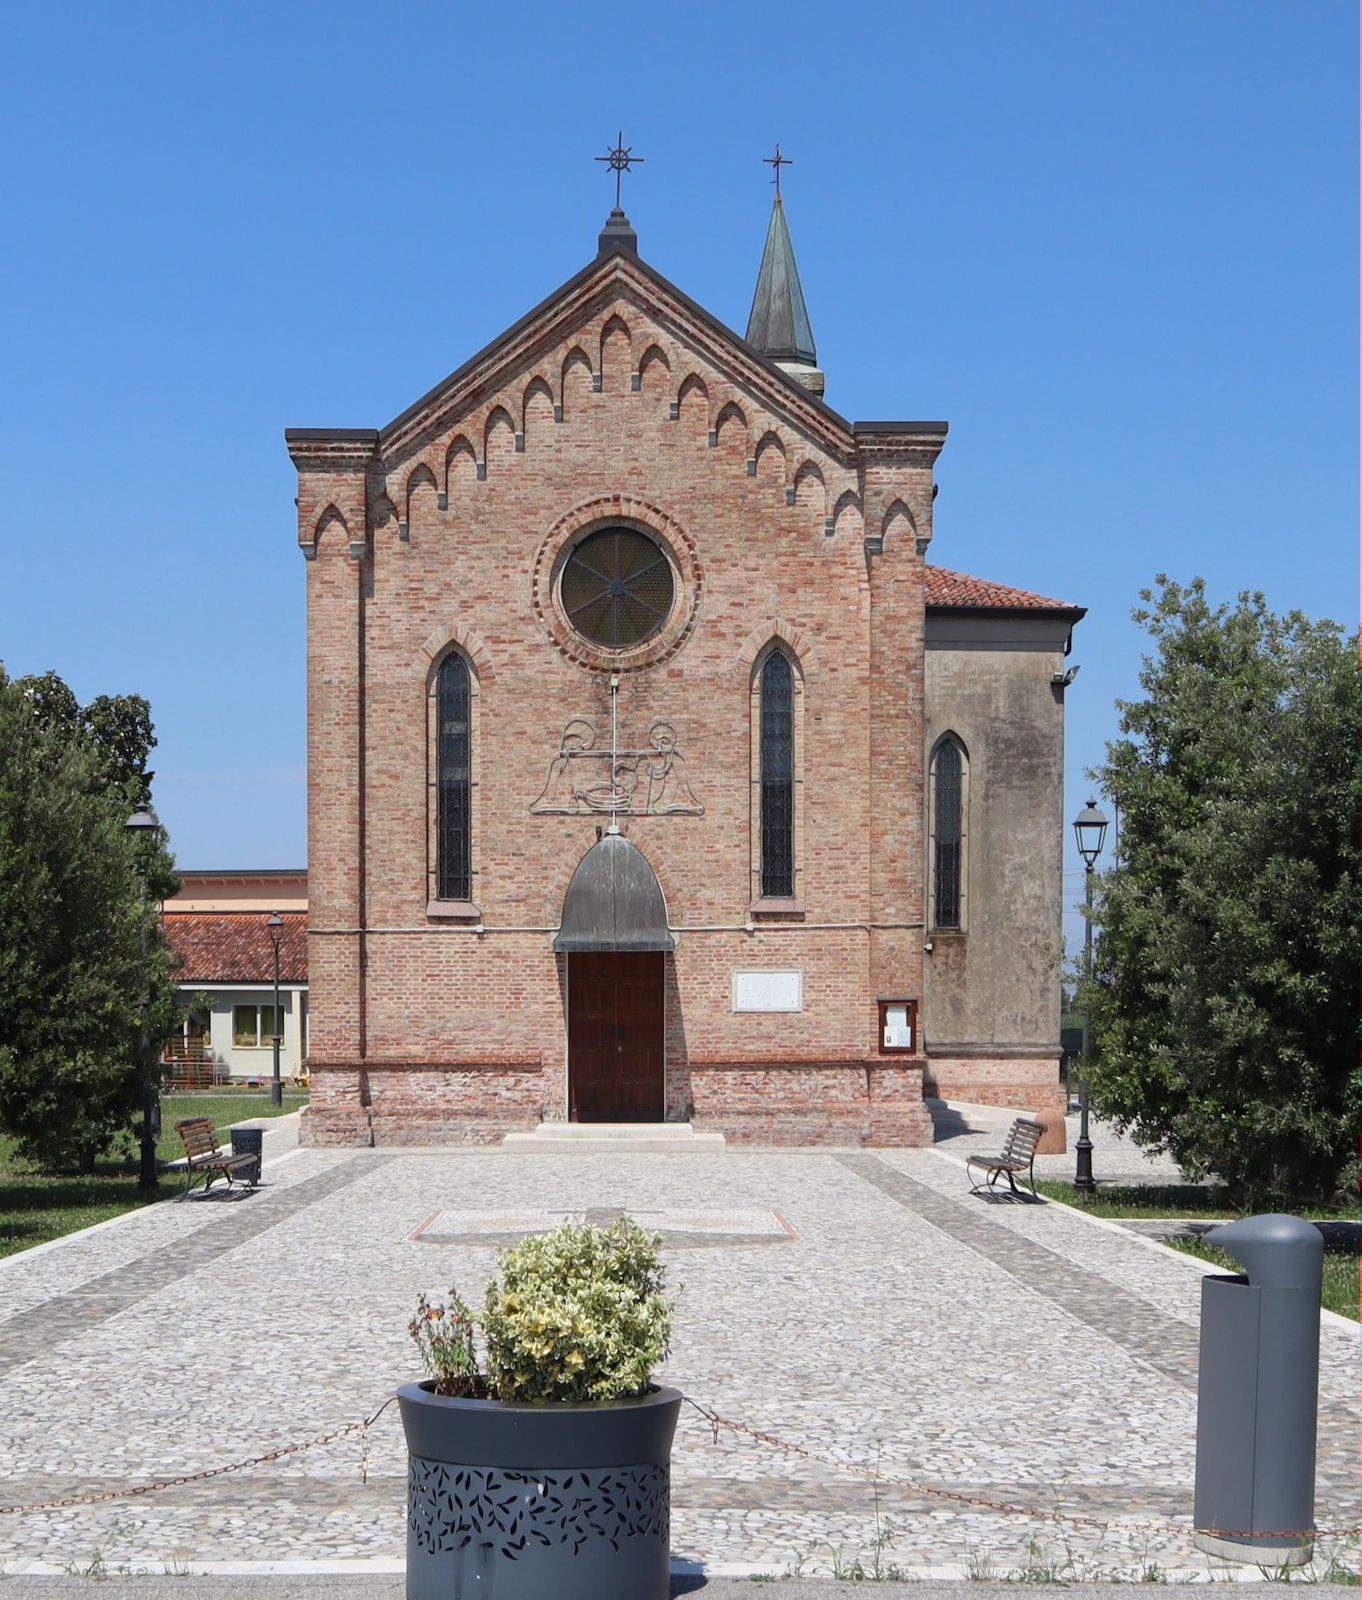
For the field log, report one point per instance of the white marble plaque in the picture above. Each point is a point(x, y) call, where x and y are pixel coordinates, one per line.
point(768, 991)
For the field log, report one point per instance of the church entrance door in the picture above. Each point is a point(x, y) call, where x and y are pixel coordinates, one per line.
point(615, 1023)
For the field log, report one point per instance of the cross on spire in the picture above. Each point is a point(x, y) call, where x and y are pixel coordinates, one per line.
point(621, 159)
point(777, 161)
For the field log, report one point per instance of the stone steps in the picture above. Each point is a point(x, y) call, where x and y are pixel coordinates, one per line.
point(620, 1136)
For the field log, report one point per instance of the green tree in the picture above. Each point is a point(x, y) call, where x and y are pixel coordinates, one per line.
point(1224, 993)
point(72, 973)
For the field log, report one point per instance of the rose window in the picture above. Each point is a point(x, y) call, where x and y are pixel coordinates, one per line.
point(617, 588)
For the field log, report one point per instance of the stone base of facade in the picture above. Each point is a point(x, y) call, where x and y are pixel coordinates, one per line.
point(423, 1103)
point(344, 1127)
point(1020, 1083)
point(871, 1102)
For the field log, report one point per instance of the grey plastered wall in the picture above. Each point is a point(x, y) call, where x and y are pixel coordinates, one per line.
point(993, 989)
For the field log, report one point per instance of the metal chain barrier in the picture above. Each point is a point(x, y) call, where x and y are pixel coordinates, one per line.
point(717, 1423)
point(347, 1428)
point(982, 1502)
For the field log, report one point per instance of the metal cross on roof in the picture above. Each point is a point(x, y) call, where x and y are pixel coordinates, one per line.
point(777, 161)
point(620, 159)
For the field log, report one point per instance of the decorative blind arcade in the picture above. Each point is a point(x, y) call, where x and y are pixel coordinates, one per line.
point(946, 908)
point(617, 588)
point(454, 819)
point(777, 777)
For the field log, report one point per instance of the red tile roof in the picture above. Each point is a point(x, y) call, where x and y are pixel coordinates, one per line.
point(235, 946)
point(959, 591)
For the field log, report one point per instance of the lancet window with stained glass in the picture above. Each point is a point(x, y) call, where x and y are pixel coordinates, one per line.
point(777, 777)
point(948, 835)
point(454, 803)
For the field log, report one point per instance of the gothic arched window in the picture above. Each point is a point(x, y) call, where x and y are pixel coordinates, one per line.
point(777, 777)
point(454, 785)
point(948, 834)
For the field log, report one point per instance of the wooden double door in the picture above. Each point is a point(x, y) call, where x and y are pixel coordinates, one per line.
point(615, 1035)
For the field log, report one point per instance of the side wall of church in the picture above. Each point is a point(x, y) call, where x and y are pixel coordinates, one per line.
point(993, 986)
point(445, 1023)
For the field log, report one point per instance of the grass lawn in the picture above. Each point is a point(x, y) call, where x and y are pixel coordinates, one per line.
point(35, 1207)
point(1145, 1199)
point(1206, 1203)
point(1341, 1273)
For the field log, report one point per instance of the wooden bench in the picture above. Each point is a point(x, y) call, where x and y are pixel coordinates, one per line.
point(201, 1154)
point(1018, 1155)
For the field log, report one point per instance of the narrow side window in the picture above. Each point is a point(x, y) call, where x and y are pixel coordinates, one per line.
point(948, 834)
point(454, 812)
point(777, 777)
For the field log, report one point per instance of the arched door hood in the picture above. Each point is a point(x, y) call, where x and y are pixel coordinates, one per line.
point(614, 902)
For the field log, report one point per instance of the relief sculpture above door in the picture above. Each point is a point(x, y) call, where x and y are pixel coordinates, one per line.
point(649, 782)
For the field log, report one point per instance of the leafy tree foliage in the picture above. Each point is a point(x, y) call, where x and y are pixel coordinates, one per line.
point(1224, 1000)
point(72, 919)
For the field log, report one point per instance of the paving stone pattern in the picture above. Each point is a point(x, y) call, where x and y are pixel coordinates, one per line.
point(1016, 1352)
point(1131, 1259)
point(1165, 1345)
point(63, 1317)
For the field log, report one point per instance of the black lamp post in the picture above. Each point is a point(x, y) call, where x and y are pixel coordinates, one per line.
point(276, 927)
point(142, 825)
point(1090, 830)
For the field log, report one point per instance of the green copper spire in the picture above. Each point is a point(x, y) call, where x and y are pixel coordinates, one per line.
point(779, 323)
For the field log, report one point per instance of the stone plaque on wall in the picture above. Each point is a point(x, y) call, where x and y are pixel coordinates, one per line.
point(768, 991)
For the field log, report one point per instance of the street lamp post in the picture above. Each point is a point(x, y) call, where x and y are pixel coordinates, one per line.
point(142, 824)
point(276, 928)
point(1090, 830)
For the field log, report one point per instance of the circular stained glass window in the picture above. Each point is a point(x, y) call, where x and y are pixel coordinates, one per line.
point(617, 588)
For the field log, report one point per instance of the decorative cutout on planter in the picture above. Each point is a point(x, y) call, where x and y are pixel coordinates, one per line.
point(449, 1506)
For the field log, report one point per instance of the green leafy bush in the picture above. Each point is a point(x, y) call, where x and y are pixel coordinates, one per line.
point(80, 948)
point(577, 1314)
point(1223, 993)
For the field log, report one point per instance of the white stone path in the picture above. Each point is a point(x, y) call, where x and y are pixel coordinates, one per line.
point(1016, 1352)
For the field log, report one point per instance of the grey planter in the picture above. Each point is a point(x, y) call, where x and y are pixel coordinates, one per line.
point(513, 1502)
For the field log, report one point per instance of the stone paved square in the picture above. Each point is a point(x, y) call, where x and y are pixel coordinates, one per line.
point(878, 1317)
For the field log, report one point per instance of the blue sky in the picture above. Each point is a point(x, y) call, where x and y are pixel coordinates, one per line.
point(1115, 245)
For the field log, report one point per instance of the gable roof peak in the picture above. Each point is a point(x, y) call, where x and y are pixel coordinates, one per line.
point(615, 268)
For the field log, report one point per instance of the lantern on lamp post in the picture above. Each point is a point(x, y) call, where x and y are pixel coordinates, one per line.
point(1090, 832)
point(143, 828)
point(276, 930)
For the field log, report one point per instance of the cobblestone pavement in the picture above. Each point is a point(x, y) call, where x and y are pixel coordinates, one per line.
point(884, 1319)
point(391, 1587)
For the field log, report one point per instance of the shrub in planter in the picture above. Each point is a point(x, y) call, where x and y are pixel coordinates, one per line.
point(544, 1469)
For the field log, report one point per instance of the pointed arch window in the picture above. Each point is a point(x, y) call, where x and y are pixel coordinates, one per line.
point(949, 776)
point(777, 777)
point(454, 781)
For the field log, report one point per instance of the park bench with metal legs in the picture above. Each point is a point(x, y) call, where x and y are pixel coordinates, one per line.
point(202, 1154)
point(1018, 1156)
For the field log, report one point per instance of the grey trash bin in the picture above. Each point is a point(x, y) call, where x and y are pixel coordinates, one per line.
point(249, 1142)
point(1258, 1394)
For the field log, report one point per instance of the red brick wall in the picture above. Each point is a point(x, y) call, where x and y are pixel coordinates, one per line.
point(426, 1031)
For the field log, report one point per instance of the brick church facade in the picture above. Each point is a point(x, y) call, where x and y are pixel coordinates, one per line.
point(654, 773)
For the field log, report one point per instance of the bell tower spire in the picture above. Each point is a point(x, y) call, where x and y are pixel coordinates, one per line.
point(778, 325)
